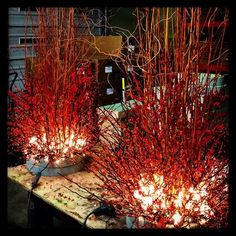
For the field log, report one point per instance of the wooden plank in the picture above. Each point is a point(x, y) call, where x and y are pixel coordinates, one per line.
point(105, 46)
point(61, 194)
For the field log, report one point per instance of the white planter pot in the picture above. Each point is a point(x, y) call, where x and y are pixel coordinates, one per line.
point(63, 168)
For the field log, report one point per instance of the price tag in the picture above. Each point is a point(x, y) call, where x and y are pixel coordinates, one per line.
point(108, 69)
point(109, 91)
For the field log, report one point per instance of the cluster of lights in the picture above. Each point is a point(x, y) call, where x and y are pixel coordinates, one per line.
point(63, 145)
point(185, 201)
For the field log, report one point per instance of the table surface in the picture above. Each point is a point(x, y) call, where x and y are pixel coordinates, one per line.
point(66, 196)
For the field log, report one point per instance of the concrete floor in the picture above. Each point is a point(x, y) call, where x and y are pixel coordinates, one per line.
point(17, 209)
point(17, 206)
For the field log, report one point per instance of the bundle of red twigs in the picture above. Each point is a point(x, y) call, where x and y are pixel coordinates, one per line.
point(54, 117)
point(169, 162)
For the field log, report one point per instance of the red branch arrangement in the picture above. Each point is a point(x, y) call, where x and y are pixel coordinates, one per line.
point(54, 118)
point(167, 159)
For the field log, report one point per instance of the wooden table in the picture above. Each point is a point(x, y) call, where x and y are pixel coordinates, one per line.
point(66, 196)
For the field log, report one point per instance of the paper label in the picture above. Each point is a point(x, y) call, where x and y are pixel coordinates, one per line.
point(109, 91)
point(108, 69)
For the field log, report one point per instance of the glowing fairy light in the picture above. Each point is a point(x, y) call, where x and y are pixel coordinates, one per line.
point(33, 140)
point(65, 150)
point(80, 142)
point(179, 200)
point(196, 196)
point(189, 205)
point(177, 218)
point(185, 201)
point(61, 145)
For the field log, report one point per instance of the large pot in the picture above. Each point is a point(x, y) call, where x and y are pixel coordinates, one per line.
point(64, 167)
